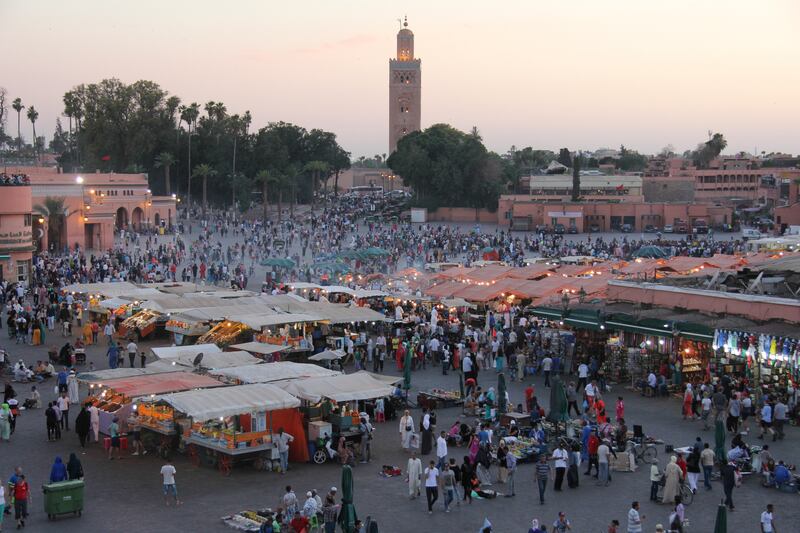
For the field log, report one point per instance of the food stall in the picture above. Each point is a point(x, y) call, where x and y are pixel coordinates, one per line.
point(226, 332)
point(114, 398)
point(330, 405)
point(230, 425)
point(439, 398)
point(185, 330)
point(141, 324)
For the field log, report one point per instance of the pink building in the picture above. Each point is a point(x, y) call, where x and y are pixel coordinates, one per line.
point(16, 230)
point(95, 205)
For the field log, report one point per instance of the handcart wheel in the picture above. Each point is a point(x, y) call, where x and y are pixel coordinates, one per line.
point(320, 457)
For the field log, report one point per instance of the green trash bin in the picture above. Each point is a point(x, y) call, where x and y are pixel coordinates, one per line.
point(63, 497)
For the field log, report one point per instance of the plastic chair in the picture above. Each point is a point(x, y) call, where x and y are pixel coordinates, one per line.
point(313, 524)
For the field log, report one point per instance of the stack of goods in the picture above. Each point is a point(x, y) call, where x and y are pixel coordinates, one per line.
point(156, 416)
point(144, 322)
point(109, 403)
point(249, 520)
point(215, 434)
point(525, 449)
point(224, 334)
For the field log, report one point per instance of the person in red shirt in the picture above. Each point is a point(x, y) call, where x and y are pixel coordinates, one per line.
point(21, 496)
point(594, 443)
point(299, 523)
point(529, 397)
point(682, 464)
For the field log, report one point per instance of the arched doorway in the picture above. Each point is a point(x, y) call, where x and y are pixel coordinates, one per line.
point(122, 218)
point(137, 218)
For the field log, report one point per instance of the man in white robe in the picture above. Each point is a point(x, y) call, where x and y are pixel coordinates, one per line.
point(414, 475)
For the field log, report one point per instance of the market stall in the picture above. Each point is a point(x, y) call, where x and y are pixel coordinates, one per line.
point(114, 398)
point(229, 425)
point(262, 350)
point(141, 324)
point(226, 333)
point(439, 398)
point(272, 372)
point(185, 329)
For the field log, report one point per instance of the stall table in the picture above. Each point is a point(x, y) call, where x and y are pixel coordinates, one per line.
point(223, 457)
point(436, 399)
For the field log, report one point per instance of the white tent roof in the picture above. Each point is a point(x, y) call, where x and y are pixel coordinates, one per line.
point(304, 285)
point(175, 352)
point(113, 303)
point(338, 288)
point(270, 372)
point(327, 355)
point(157, 367)
point(369, 293)
point(261, 348)
point(341, 388)
point(261, 320)
point(206, 404)
point(112, 290)
point(219, 360)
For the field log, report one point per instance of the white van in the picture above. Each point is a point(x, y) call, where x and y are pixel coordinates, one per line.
point(751, 233)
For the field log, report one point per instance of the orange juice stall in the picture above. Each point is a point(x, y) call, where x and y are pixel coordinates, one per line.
point(236, 424)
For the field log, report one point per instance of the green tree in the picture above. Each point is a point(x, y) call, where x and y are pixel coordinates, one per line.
point(204, 171)
point(18, 107)
point(33, 116)
point(267, 180)
point(60, 140)
point(54, 210)
point(316, 169)
point(564, 157)
point(631, 160)
point(447, 167)
point(576, 177)
point(165, 160)
point(709, 150)
point(189, 115)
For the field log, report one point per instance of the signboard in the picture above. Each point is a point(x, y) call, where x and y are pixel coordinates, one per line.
point(17, 237)
point(419, 215)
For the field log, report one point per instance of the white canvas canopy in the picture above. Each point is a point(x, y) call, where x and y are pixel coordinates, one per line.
point(369, 293)
point(219, 360)
point(333, 289)
point(113, 290)
point(158, 367)
point(303, 285)
point(272, 372)
point(457, 302)
point(207, 404)
point(261, 348)
point(327, 355)
point(113, 303)
point(341, 388)
point(257, 321)
point(175, 352)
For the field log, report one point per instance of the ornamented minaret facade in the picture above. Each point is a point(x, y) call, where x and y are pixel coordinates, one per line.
point(405, 89)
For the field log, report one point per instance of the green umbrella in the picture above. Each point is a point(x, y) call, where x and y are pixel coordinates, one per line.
point(719, 441)
point(501, 393)
point(558, 401)
point(721, 524)
point(407, 370)
point(278, 262)
point(347, 515)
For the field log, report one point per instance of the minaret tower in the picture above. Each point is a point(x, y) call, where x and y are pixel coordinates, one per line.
point(405, 89)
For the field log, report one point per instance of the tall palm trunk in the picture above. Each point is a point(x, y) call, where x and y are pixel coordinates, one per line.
point(189, 184)
point(19, 132)
point(35, 144)
point(205, 202)
point(280, 205)
point(167, 181)
point(233, 176)
point(264, 200)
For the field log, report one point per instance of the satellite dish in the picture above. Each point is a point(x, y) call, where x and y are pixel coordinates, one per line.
point(197, 360)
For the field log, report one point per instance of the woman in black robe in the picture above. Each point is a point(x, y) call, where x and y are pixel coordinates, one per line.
point(426, 429)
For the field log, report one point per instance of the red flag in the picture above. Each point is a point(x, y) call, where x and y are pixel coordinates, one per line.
point(620, 187)
point(106, 158)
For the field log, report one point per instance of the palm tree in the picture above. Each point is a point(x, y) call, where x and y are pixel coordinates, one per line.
point(189, 115)
point(204, 171)
point(265, 178)
point(165, 160)
point(576, 177)
point(18, 107)
point(316, 168)
point(54, 209)
point(33, 116)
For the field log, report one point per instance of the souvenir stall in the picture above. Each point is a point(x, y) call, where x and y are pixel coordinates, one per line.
point(225, 426)
point(114, 397)
point(770, 362)
point(694, 358)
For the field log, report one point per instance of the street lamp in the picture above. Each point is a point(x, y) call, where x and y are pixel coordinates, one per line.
point(79, 180)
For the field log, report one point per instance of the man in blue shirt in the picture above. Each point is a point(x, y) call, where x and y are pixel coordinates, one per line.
point(62, 380)
point(781, 476)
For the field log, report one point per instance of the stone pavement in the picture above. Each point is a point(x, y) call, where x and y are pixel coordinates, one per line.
point(126, 494)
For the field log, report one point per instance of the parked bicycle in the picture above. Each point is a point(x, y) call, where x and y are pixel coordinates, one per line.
point(647, 453)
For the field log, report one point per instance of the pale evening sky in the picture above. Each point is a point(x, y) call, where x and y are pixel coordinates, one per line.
point(575, 73)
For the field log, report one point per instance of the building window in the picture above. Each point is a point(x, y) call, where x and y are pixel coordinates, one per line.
point(27, 221)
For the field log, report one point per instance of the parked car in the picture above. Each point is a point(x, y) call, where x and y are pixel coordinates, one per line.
point(544, 228)
point(751, 233)
point(594, 228)
point(668, 228)
point(572, 230)
point(627, 228)
point(559, 229)
point(650, 228)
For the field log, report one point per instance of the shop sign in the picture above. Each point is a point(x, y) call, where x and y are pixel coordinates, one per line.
point(17, 237)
